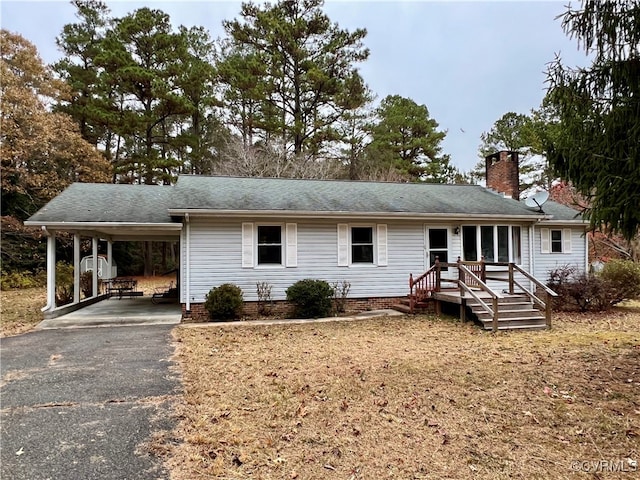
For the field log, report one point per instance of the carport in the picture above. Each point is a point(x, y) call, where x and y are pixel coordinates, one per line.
point(108, 213)
point(112, 311)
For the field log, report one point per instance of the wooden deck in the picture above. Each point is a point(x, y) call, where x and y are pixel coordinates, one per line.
point(513, 306)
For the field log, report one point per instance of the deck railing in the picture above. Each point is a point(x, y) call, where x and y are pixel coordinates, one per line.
point(473, 276)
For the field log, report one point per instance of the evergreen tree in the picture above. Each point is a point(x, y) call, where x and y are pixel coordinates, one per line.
point(598, 146)
point(405, 139)
point(299, 70)
point(80, 43)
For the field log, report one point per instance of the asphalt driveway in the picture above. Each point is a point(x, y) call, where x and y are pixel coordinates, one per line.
point(84, 403)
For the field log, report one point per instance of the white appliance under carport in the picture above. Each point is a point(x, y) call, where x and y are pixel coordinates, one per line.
point(86, 265)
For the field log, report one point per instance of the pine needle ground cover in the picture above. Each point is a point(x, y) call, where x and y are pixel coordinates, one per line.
point(410, 398)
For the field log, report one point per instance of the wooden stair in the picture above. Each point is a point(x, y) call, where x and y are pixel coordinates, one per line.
point(514, 312)
point(419, 307)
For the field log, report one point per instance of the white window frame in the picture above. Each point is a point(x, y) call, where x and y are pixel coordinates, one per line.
point(380, 246)
point(495, 241)
point(257, 245)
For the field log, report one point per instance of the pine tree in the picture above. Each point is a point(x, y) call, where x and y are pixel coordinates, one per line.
point(598, 145)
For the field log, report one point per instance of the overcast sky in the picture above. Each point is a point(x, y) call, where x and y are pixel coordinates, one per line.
point(468, 62)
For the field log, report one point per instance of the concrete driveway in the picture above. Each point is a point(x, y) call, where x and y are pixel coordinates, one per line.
point(83, 403)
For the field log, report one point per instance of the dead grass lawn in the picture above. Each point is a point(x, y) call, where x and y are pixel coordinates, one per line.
point(20, 310)
point(408, 398)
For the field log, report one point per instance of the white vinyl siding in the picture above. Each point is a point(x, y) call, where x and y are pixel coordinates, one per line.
point(573, 254)
point(217, 257)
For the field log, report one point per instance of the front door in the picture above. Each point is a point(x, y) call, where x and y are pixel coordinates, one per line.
point(437, 246)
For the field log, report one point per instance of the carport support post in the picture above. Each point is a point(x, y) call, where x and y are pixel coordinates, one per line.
point(94, 245)
point(76, 268)
point(51, 271)
point(109, 259)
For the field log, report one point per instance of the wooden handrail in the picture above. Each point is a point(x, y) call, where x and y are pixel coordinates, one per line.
point(480, 283)
point(535, 280)
point(423, 280)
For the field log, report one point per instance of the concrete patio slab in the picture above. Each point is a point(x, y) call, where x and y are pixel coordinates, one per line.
point(114, 311)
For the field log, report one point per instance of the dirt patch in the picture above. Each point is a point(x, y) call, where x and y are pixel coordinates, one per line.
point(408, 398)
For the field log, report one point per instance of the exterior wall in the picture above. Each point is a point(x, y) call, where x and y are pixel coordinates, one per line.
point(215, 251)
point(216, 258)
point(545, 262)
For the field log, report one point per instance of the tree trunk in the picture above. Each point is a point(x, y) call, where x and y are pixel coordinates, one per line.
point(148, 258)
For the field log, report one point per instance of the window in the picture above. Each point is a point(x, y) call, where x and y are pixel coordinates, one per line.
point(438, 245)
point(503, 244)
point(486, 243)
point(269, 244)
point(516, 245)
point(361, 245)
point(496, 243)
point(556, 241)
point(469, 243)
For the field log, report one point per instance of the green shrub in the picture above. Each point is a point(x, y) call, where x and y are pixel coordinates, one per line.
point(623, 277)
point(14, 280)
point(224, 302)
point(311, 298)
point(64, 283)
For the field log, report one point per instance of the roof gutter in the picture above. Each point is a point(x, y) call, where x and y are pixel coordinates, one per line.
point(342, 214)
point(94, 225)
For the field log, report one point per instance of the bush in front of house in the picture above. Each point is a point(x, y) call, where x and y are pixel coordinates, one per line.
point(224, 302)
point(578, 291)
point(311, 298)
point(623, 277)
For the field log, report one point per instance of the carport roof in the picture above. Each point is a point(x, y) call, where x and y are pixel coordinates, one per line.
point(126, 210)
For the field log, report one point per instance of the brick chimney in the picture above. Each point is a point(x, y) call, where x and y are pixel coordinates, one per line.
point(502, 173)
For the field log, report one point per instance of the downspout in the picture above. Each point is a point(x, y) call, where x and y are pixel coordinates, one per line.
point(587, 266)
point(51, 270)
point(532, 240)
point(187, 266)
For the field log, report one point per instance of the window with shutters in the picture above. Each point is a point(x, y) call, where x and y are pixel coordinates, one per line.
point(362, 245)
point(555, 240)
point(269, 245)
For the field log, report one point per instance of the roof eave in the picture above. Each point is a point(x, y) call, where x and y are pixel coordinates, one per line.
point(207, 212)
point(92, 225)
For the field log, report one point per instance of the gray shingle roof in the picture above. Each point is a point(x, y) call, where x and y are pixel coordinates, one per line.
point(276, 194)
point(104, 202)
point(561, 212)
point(149, 204)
